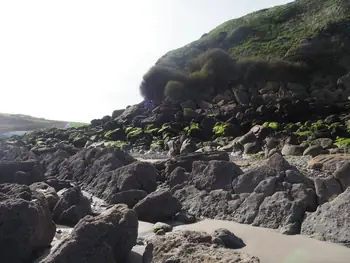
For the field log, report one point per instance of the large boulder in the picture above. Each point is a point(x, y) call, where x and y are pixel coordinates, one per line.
point(229, 239)
point(129, 197)
point(71, 207)
point(26, 226)
point(178, 176)
point(331, 221)
point(135, 176)
point(186, 161)
point(327, 188)
point(106, 238)
point(190, 246)
point(157, 206)
point(26, 172)
point(48, 191)
point(214, 175)
point(275, 195)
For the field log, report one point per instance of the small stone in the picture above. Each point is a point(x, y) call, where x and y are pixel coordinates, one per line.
point(229, 239)
point(162, 226)
point(185, 217)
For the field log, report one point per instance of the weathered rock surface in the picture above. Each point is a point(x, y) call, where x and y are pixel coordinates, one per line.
point(130, 197)
point(135, 176)
point(194, 247)
point(214, 175)
point(186, 161)
point(331, 221)
point(275, 195)
point(157, 206)
point(48, 191)
point(71, 207)
point(229, 239)
point(27, 172)
point(106, 238)
point(26, 225)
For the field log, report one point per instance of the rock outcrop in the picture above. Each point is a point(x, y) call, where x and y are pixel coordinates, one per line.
point(331, 221)
point(275, 195)
point(26, 223)
point(189, 246)
point(71, 207)
point(106, 238)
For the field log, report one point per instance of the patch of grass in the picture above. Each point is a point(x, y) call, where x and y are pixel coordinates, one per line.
point(77, 124)
point(221, 129)
point(343, 142)
point(272, 125)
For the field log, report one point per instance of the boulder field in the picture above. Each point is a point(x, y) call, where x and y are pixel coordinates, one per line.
point(271, 193)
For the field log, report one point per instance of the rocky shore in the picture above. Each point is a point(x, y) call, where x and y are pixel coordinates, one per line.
point(238, 153)
point(103, 193)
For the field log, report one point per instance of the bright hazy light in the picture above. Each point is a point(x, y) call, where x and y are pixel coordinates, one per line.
point(78, 60)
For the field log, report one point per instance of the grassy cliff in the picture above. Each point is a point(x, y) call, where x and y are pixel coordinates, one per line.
point(270, 33)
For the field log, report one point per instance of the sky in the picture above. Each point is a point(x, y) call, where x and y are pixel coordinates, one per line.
point(77, 60)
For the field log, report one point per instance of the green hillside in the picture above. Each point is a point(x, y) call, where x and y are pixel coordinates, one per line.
point(276, 32)
point(20, 122)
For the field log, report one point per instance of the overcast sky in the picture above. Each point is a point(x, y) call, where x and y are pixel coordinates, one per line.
point(78, 59)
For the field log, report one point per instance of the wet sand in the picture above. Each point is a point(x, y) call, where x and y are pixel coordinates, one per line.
point(272, 247)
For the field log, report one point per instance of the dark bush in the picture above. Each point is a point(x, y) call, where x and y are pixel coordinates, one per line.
point(255, 69)
point(216, 65)
point(154, 81)
point(175, 90)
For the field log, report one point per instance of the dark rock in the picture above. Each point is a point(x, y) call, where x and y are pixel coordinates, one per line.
point(130, 197)
point(229, 239)
point(270, 216)
point(48, 191)
point(188, 146)
point(185, 217)
point(71, 207)
point(21, 172)
point(178, 176)
point(289, 149)
point(16, 191)
point(252, 147)
point(331, 221)
point(174, 147)
point(148, 208)
point(186, 161)
point(106, 238)
point(327, 189)
point(117, 113)
point(214, 175)
point(57, 184)
point(342, 174)
point(138, 175)
point(26, 226)
point(325, 143)
point(313, 150)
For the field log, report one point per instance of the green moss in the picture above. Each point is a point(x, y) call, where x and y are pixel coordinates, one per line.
point(117, 144)
point(304, 133)
point(157, 145)
point(192, 129)
point(272, 125)
point(221, 129)
point(150, 129)
point(134, 132)
point(343, 142)
point(107, 135)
